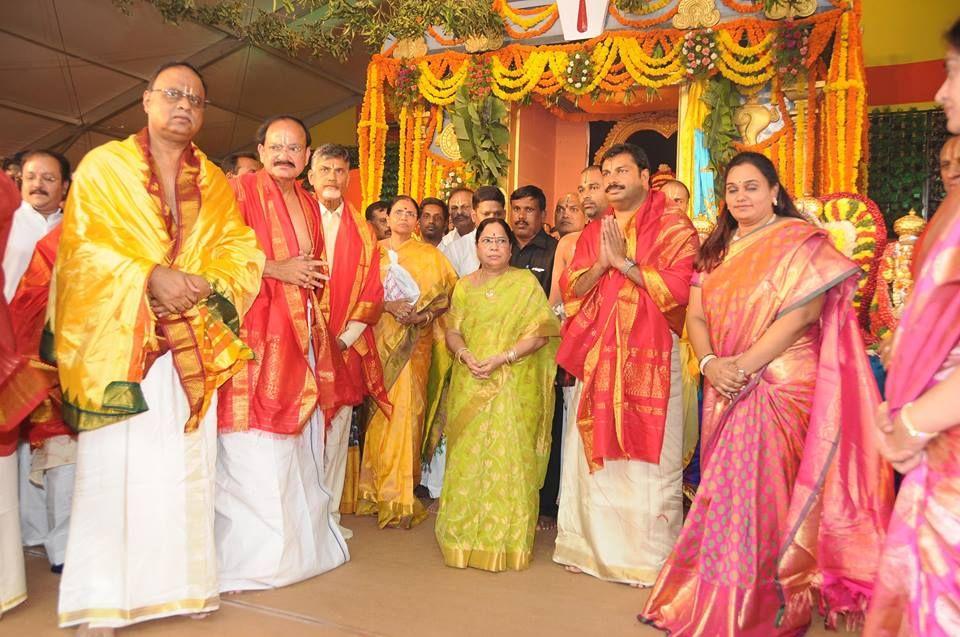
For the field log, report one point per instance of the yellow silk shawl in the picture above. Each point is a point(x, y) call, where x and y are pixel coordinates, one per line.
point(100, 330)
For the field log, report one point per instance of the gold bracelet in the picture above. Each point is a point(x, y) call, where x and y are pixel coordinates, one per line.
point(512, 357)
point(912, 431)
point(460, 354)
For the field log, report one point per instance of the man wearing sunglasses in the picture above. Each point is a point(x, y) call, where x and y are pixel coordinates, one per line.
point(155, 269)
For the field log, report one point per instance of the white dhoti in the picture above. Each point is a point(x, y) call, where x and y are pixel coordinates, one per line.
point(432, 473)
point(46, 494)
point(34, 525)
point(621, 522)
point(13, 582)
point(141, 542)
point(335, 462)
point(274, 524)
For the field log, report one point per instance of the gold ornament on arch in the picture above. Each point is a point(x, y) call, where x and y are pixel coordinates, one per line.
point(662, 122)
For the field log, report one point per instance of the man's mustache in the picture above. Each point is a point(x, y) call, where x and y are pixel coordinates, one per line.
point(39, 191)
point(612, 187)
point(283, 162)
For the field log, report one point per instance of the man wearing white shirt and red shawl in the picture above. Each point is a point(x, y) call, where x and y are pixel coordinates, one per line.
point(47, 452)
point(351, 303)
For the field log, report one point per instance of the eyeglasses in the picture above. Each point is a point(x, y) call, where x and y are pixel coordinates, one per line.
point(174, 95)
point(494, 241)
point(276, 149)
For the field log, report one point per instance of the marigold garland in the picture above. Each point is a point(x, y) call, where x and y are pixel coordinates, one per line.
point(620, 61)
point(871, 242)
point(642, 24)
point(755, 7)
point(526, 19)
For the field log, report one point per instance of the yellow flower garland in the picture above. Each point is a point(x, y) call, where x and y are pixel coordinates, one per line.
point(437, 91)
point(401, 172)
point(645, 75)
point(524, 21)
point(763, 46)
point(739, 78)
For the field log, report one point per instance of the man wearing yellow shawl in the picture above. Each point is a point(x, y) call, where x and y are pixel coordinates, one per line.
point(154, 271)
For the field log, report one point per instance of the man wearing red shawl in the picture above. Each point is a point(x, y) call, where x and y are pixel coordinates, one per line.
point(21, 390)
point(269, 467)
point(352, 305)
point(625, 293)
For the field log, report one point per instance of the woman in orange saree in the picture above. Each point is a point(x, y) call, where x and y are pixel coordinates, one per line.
point(794, 497)
point(918, 588)
point(390, 468)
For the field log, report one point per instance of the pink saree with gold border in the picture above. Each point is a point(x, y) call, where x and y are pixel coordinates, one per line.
point(794, 498)
point(918, 588)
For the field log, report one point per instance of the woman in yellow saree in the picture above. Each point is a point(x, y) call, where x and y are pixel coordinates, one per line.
point(499, 411)
point(418, 281)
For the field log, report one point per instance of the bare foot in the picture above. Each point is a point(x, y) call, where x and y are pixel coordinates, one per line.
point(572, 569)
point(638, 585)
point(84, 630)
point(201, 615)
point(546, 523)
point(434, 506)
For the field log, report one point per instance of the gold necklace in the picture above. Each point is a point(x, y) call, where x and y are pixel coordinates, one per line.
point(489, 292)
point(736, 235)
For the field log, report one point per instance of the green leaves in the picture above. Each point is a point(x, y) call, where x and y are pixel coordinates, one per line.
point(482, 136)
point(331, 27)
point(723, 99)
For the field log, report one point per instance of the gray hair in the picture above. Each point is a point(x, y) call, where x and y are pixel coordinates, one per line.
point(330, 150)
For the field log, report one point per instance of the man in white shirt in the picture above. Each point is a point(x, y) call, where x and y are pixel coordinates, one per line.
point(488, 201)
point(46, 472)
point(352, 302)
point(460, 206)
point(46, 176)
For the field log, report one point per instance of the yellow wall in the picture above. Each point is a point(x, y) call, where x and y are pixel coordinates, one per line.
point(339, 129)
point(897, 32)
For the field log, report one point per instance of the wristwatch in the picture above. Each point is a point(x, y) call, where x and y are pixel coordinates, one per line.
point(627, 264)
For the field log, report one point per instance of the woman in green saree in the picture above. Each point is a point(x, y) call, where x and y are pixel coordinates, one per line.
point(500, 408)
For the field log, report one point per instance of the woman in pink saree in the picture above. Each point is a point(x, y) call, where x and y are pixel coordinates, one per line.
point(918, 589)
point(795, 497)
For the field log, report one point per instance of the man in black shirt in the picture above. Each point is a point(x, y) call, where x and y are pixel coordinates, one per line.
point(528, 205)
point(535, 253)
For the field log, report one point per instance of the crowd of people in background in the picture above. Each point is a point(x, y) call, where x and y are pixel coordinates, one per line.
point(206, 371)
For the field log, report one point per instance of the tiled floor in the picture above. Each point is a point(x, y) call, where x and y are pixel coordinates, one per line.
point(395, 585)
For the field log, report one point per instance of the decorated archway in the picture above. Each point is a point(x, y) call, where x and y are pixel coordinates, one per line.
point(786, 80)
point(792, 89)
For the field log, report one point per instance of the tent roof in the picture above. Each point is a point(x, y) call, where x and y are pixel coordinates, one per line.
point(73, 73)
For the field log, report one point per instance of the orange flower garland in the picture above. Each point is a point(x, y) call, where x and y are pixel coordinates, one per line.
point(756, 7)
point(642, 24)
point(827, 132)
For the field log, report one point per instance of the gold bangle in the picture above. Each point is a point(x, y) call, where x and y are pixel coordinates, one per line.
point(912, 431)
point(460, 354)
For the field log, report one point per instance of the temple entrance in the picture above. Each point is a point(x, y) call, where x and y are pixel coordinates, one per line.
point(551, 145)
